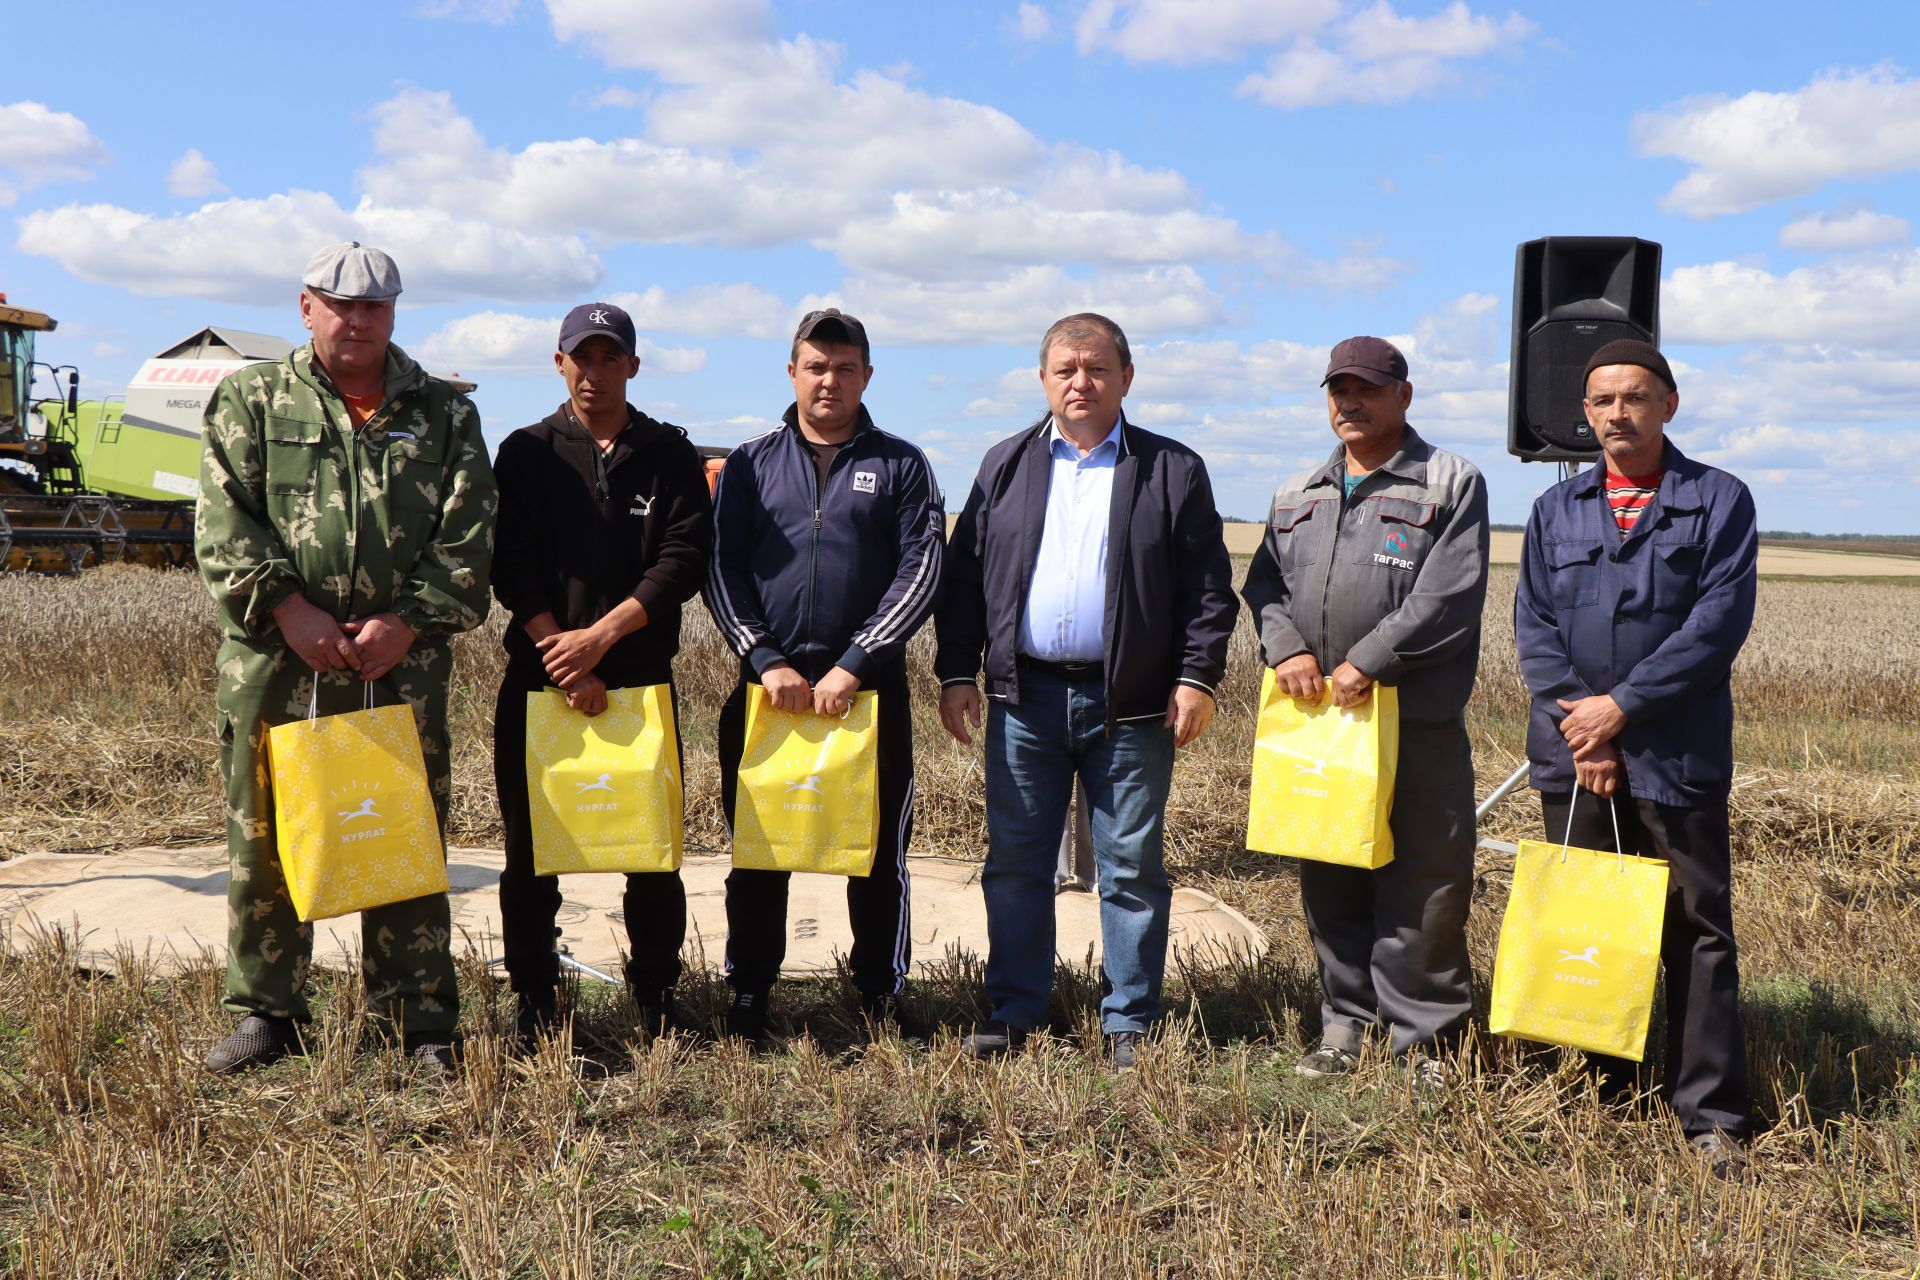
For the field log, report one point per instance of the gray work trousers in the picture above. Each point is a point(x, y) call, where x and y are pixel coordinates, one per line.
point(1392, 943)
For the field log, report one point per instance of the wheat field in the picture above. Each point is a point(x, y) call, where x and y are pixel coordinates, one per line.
point(119, 1156)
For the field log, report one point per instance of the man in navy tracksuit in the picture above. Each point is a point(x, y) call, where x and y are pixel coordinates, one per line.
point(828, 537)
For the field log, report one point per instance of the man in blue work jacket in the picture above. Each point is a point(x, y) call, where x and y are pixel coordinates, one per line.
point(1636, 593)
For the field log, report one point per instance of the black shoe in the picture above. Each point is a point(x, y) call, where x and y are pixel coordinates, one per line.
point(431, 1050)
point(1123, 1048)
point(259, 1039)
point(878, 1011)
point(747, 1018)
point(538, 1017)
point(993, 1040)
point(657, 1014)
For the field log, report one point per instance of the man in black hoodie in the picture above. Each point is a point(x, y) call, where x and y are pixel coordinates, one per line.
point(605, 528)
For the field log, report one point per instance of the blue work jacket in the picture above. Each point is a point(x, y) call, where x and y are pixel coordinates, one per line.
point(1654, 617)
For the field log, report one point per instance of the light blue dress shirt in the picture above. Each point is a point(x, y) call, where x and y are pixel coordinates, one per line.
point(1065, 618)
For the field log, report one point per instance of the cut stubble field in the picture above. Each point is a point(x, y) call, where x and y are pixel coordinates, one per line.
point(119, 1156)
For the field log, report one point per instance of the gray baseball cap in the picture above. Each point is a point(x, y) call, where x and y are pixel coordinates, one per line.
point(352, 271)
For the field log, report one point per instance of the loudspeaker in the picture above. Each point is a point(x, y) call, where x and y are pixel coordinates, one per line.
point(1571, 296)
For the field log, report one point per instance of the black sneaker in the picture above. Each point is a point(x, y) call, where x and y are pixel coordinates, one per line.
point(259, 1039)
point(657, 1014)
point(747, 1017)
point(878, 1011)
point(993, 1040)
point(538, 1017)
point(430, 1050)
point(1123, 1048)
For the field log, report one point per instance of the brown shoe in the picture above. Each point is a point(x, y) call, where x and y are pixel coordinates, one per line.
point(259, 1039)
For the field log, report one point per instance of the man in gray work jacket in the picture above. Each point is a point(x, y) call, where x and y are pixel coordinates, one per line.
point(1374, 570)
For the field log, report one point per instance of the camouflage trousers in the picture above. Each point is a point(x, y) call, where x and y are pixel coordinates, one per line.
point(406, 951)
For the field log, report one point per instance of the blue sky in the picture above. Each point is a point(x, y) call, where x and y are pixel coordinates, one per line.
point(1241, 183)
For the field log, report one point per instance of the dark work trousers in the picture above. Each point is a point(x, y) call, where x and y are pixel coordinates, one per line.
point(1706, 1070)
point(877, 903)
point(655, 903)
point(1392, 943)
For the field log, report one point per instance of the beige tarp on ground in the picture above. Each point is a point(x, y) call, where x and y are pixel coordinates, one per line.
point(171, 904)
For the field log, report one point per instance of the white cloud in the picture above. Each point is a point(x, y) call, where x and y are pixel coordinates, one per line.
point(493, 12)
point(193, 176)
point(617, 96)
point(1032, 23)
point(1762, 147)
point(254, 250)
point(1844, 229)
point(743, 310)
point(961, 233)
point(1857, 455)
point(1378, 56)
point(39, 145)
point(507, 343)
point(1866, 300)
point(986, 407)
point(1017, 307)
point(1189, 31)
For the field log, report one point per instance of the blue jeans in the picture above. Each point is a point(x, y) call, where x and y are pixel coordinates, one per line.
point(1033, 752)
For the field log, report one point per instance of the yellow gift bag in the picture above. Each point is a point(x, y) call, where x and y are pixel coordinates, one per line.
point(1323, 777)
point(1580, 947)
point(352, 817)
point(808, 795)
point(604, 791)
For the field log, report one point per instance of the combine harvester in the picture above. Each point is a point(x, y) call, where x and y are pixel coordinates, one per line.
point(90, 482)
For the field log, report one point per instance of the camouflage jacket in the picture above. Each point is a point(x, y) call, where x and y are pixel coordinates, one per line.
point(395, 516)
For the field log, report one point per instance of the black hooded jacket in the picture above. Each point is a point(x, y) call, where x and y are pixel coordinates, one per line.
point(580, 531)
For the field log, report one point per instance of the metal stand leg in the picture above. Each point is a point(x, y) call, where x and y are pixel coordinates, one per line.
point(566, 961)
point(1514, 782)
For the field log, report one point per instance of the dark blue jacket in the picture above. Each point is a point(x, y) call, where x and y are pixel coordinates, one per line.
point(820, 578)
point(1654, 617)
point(1170, 604)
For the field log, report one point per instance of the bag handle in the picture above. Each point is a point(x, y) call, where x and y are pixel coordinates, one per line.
point(313, 697)
point(1613, 811)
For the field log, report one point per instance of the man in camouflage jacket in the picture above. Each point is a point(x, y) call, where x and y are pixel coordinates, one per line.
point(345, 529)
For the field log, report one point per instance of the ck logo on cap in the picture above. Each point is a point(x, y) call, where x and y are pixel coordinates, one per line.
point(597, 316)
point(864, 481)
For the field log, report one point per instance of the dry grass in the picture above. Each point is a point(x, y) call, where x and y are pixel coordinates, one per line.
point(119, 1157)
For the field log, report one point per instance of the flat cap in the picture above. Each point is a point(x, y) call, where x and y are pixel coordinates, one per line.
point(352, 271)
point(1374, 359)
point(1631, 351)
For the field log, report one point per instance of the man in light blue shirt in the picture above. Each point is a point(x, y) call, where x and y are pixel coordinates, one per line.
point(1089, 566)
point(1067, 601)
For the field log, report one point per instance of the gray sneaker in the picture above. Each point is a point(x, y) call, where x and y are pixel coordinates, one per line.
point(1123, 1048)
point(1726, 1158)
point(260, 1038)
point(993, 1040)
point(1430, 1075)
point(1327, 1060)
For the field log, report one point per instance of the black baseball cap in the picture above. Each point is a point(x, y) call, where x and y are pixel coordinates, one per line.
point(833, 325)
point(1374, 359)
point(597, 320)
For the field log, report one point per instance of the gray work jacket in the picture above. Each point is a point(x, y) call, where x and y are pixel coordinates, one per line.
point(1392, 580)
